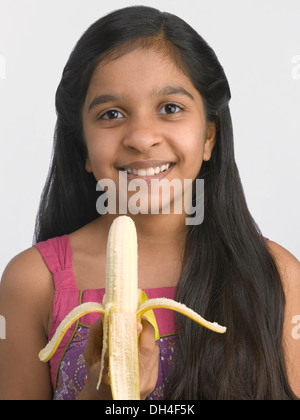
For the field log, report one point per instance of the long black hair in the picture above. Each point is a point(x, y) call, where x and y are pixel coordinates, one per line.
point(228, 274)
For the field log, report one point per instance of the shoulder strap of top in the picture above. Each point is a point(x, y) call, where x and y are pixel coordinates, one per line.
point(57, 255)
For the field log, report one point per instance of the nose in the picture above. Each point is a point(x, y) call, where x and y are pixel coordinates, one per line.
point(142, 135)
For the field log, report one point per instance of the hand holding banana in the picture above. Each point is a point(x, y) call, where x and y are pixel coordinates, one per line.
point(149, 361)
point(121, 310)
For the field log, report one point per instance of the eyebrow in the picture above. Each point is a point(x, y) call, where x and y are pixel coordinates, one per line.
point(173, 90)
point(103, 99)
point(168, 90)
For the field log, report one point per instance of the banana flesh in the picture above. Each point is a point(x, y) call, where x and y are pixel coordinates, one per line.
point(121, 310)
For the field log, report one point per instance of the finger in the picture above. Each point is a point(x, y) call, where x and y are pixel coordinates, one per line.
point(93, 347)
point(139, 328)
point(149, 376)
point(93, 353)
point(146, 339)
point(148, 359)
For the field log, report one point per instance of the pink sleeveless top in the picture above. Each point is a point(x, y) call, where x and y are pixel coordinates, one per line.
point(67, 366)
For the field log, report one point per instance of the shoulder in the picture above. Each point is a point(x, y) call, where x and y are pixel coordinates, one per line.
point(25, 304)
point(24, 269)
point(289, 270)
point(288, 266)
point(26, 281)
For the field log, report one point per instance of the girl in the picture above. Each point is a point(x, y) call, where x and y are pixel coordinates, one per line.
point(142, 92)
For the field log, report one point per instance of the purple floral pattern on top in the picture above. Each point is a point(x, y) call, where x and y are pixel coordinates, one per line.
point(72, 372)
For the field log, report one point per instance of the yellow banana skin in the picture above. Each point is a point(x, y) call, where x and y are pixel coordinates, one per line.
point(121, 310)
point(47, 352)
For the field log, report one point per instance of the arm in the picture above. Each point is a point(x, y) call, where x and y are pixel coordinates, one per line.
point(289, 269)
point(26, 293)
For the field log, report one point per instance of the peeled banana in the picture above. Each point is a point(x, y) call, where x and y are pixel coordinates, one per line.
point(121, 310)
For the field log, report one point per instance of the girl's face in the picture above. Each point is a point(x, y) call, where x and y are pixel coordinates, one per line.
point(143, 115)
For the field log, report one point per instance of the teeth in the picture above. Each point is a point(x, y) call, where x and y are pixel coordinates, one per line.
point(142, 172)
point(148, 171)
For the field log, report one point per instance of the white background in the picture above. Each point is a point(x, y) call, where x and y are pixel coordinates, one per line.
point(257, 42)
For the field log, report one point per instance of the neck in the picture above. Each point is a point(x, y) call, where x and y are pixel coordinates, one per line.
point(161, 230)
point(161, 245)
point(158, 231)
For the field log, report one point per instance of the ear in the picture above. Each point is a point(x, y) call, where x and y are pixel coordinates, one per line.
point(210, 141)
point(88, 166)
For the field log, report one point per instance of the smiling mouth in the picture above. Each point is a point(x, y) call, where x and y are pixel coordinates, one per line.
point(147, 171)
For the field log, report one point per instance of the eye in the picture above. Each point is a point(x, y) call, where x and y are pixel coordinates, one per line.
point(112, 114)
point(170, 109)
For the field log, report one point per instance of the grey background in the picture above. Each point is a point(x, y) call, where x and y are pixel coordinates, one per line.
point(257, 42)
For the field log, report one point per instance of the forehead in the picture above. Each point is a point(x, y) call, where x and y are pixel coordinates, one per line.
point(139, 70)
point(157, 43)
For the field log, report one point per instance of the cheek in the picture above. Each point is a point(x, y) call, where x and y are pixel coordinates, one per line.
point(191, 143)
point(100, 156)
